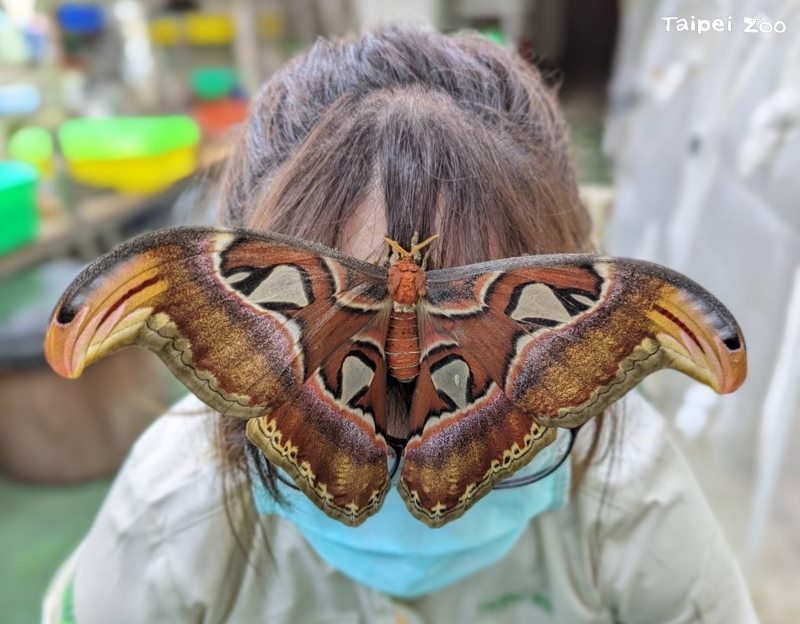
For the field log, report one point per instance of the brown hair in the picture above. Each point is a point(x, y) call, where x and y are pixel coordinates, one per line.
point(451, 135)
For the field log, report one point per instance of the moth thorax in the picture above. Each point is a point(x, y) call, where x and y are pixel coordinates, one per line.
point(406, 281)
point(402, 346)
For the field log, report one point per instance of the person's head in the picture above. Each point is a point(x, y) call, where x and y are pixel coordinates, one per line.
point(406, 130)
point(400, 131)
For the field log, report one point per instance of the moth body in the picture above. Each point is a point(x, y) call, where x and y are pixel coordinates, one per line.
point(406, 281)
point(402, 346)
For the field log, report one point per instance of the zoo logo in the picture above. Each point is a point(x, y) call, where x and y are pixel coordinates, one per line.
point(757, 24)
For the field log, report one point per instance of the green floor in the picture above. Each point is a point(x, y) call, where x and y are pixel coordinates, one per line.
point(39, 526)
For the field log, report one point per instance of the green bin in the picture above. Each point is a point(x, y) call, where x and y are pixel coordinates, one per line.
point(34, 146)
point(213, 83)
point(130, 154)
point(19, 218)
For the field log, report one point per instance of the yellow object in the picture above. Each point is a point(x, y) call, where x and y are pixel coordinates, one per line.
point(209, 28)
point(136, 175)
point(45, 167)
point(270, 26)
point(165, 31)
point(130, 154)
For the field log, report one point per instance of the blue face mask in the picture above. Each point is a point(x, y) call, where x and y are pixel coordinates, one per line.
point(397, 554)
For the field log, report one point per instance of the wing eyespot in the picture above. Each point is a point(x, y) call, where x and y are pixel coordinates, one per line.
point(733, 343)
point(66, 314)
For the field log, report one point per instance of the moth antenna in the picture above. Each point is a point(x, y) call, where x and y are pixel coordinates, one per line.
point(415, 249)
point(424, 265)
point(397, 251)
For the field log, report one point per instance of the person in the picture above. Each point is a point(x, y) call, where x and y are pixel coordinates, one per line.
point(398, 131)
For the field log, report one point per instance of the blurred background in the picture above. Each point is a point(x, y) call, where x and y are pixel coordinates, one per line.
point(116, 118)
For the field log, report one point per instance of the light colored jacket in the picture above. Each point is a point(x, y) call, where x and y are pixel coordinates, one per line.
point(637, 543)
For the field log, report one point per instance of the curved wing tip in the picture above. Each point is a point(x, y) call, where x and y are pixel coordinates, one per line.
point(735, 376)
point(58, 363)
point(733, 361)
point(58, 356)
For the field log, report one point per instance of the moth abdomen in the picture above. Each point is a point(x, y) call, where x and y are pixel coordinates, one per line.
point(402, 346)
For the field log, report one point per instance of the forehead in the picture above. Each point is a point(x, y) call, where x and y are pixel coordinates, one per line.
point(363, 233)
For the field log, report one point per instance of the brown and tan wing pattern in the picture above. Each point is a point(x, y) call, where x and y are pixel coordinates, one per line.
point(256, 326)
point(544, 341)
point(336, 417)
point(467, 436)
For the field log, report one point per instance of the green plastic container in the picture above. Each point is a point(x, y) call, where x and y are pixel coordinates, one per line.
point(496, 35)
point(213, 83)
point(115, 138)
point(34, 146)
point(19, 218)
point(137, 155)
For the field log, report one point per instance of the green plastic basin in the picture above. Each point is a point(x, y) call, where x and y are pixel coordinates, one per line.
point(126, 137)
point(18, 214)
point(213, 83)
point(34, 146)
point(31, 145)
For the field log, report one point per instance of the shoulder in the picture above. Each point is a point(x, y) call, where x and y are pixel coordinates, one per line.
point(636, 461)
point(640, 480)
point(173, 469)
point(651, 544)
point(161, 543)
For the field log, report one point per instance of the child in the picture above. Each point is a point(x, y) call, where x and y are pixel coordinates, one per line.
point(399, 131)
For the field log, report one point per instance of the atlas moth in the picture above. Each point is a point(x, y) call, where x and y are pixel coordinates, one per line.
point(303, 342)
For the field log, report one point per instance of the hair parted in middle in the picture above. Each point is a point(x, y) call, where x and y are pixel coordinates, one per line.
point(448, 135)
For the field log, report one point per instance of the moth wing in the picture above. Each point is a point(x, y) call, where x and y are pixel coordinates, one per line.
point(467, 435)
point(248, 322)
point(330, 435)
point(548, 341)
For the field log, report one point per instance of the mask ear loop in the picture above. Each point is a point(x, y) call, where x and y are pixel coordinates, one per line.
point(285, 481)
point(399, 447)
point(514, 482)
